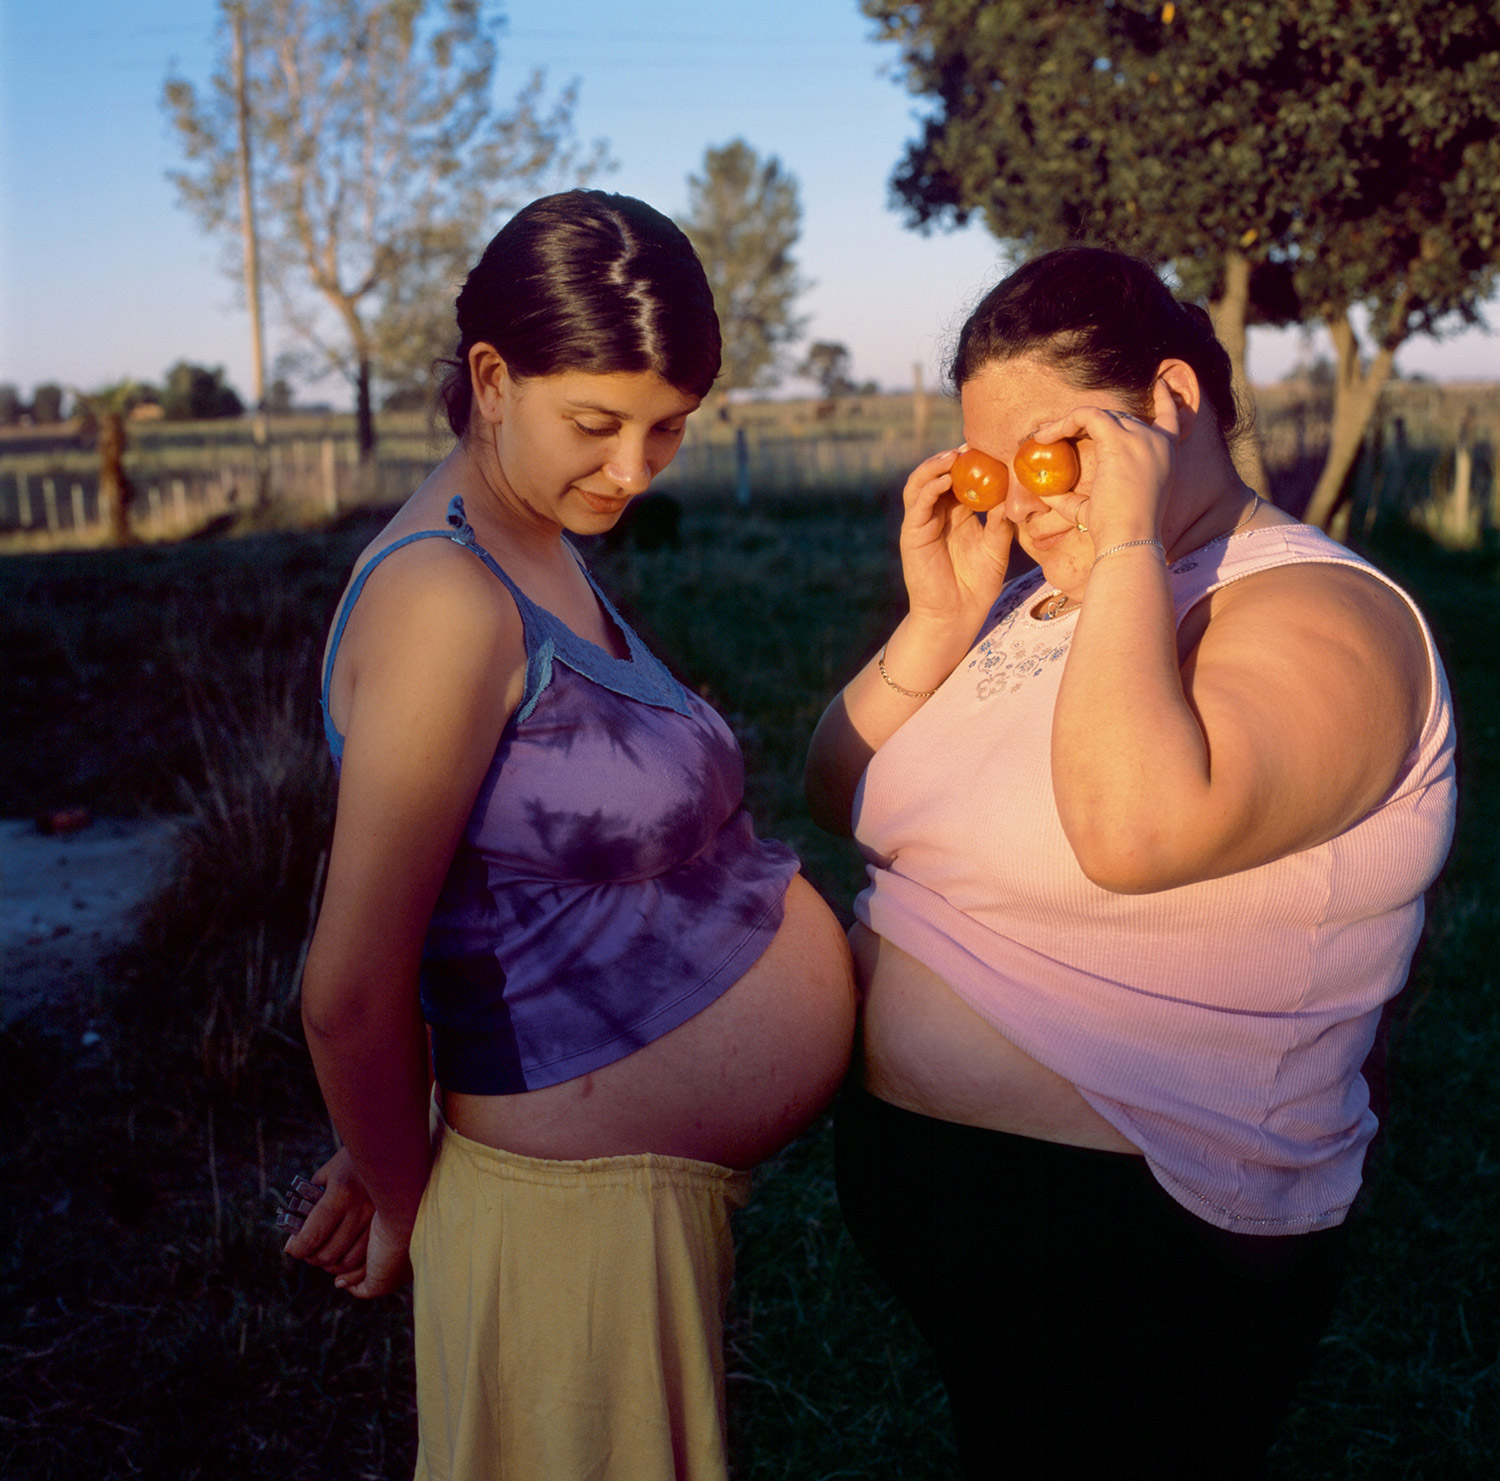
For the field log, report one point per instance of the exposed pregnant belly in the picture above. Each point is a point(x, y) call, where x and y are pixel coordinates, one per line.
point(732, 1085)
point(926, 1050)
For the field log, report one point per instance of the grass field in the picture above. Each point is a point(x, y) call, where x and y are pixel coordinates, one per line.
point(148, 1324)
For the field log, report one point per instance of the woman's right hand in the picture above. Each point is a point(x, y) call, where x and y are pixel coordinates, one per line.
point(953, 560)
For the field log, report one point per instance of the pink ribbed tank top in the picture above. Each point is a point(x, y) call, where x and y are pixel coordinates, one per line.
point(1219, 1026)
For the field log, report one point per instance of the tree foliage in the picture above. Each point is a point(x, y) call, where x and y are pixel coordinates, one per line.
point(1328, 160)
point(381, 168)
point(744, 217)
point(196, 393)
point(46, 403)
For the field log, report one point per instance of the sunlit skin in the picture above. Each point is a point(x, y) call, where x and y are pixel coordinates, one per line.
point(431, 667)
point(1279, 713)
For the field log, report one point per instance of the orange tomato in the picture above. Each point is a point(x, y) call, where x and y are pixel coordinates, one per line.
point(979, 480)
point(1047, 468)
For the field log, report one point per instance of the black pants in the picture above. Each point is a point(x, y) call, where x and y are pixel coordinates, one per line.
point(1085, 1324)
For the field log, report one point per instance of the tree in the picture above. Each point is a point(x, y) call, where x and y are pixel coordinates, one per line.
point(279, 400)
point(46, 404)
point(104, 414)
point(10, 405)
point(744, 218)
point(380, 168)
point(1290, 163)
point(828, 363)
point(195, 393)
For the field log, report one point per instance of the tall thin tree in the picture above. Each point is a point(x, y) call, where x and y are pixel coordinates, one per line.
point(381, 167)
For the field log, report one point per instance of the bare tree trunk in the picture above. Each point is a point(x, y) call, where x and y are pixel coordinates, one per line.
point(1229, 312)
point(364, 418)
point(1356, 394)
point(116, 492)
point(252, 264)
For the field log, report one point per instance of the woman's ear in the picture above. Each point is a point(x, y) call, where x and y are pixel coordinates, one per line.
point(491, 381)
point(1181, 381)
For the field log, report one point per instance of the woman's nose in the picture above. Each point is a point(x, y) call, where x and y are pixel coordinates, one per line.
point(1021, 503)
point(630, 472)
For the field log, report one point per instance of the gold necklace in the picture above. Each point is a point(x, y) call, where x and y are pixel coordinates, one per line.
point(1255, 504)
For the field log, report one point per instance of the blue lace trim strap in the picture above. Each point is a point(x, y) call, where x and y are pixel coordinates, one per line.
point(642, 676)
point(335, 740)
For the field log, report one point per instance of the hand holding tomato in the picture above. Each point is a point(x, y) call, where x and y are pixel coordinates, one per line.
point(1132, 466)
point(953, 561)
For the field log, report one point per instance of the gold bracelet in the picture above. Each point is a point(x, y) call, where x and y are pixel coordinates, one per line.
point(1125, 545)
point(909, 693)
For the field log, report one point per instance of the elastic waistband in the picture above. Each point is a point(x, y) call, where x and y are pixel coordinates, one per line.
point(637, 1169)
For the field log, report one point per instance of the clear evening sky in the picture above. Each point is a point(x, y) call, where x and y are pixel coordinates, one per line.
point(103, 276)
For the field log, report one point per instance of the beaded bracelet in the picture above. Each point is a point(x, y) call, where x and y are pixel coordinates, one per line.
point(1125, 545)
point(909, 693)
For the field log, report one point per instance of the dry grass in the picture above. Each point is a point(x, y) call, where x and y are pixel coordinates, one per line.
point(149, 1325)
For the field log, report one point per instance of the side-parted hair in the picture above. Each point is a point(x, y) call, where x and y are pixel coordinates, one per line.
point(1101, 321)
point(586, 281)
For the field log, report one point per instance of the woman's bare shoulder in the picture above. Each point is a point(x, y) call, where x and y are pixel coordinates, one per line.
point(1335, 601)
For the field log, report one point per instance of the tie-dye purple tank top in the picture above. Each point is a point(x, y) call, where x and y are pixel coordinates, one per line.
point(609, 884)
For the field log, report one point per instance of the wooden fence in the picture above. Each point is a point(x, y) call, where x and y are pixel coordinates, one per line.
point(1430, 454)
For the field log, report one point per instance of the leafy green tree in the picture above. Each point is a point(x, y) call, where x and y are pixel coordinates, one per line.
point(744, 217)
point(381, 168)
point(195, 393)
point(1328, 160)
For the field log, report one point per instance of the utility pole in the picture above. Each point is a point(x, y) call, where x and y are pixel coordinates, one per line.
point(252, 258)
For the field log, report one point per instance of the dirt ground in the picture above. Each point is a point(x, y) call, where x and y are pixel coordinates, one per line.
point(66, 902)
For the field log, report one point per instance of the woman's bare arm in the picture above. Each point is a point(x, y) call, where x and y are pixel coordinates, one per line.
point(436, 662)
point(1287, 723)
point(954, 566)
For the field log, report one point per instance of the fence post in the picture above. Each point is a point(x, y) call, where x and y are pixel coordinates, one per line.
point(330, 476)
point(1461, 514)
point(153, 506)
point(179, 502)
point(78, 511)
point(741, 468)
point(23, 501)
point(49, 502)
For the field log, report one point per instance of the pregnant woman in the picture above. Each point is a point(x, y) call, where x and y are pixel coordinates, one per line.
point(542, 865)
point(1148, 830)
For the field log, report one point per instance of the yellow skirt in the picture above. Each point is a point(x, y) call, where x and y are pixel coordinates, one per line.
point(570, 1316)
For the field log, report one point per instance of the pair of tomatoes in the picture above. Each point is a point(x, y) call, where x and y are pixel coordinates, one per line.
point(1045, 468)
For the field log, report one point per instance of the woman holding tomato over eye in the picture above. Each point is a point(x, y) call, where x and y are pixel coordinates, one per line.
point(547, 913)
point(1148, 830)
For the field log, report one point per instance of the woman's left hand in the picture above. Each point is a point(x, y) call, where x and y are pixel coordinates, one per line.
point(1127, 468)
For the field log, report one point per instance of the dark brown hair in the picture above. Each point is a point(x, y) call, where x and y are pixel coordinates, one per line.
point(1102, 321)
point(589, 281)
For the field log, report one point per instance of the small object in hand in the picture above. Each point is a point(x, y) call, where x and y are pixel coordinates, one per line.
point(300, 1198)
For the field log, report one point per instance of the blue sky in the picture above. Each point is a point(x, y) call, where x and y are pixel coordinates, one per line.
point(102, 275)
